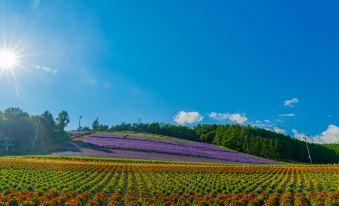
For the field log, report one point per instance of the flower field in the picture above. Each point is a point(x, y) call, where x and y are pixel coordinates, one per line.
point(45, 181)
point(145, 146)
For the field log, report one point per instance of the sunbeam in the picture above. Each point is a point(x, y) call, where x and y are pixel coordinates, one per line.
point(10, 61)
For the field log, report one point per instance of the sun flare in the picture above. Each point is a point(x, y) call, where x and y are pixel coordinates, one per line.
point(8, 59)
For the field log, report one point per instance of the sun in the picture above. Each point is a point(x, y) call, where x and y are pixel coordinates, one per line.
point(8, 59)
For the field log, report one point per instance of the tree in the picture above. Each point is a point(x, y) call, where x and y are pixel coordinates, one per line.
point(47, 125)
point(103, 128)
point(86, 128)
point(21, 133)
point(62, 120)
point(96, 124)
point(2, 116)
point(14, 113)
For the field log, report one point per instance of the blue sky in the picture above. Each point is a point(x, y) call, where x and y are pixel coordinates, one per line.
point(217, 62)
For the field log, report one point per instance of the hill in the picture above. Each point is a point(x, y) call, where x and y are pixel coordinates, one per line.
point(155, 147)
point(22, 134)
point(245, 139)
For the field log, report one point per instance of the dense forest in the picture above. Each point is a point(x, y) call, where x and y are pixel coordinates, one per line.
point(334, 147)
point(246, 139)
point(22, 133)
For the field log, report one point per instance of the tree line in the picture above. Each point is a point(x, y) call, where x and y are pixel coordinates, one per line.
point(242, 138)
point(22, 133)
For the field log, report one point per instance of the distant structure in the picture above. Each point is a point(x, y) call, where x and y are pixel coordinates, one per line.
point(308, 151)
point(79, 128)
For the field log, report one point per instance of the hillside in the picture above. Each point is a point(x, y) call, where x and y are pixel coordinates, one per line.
point(22, 134)
point(334, 147)
point(155, 147)
point(243, 138)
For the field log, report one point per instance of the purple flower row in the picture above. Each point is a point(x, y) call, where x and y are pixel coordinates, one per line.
point(133, 154)
point(177, 142)
point(165, 141)
point(140, 145)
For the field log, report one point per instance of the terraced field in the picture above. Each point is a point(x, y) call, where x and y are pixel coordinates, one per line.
point(55, 181)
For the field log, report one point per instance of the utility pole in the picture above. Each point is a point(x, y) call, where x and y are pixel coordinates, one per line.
point(79, 123)
point(308, 151)
point(35, 136)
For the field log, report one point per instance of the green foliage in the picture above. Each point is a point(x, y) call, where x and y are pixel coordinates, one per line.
point(62, 120)
point(92, 181)
point(268, 144)
point(334, 147)
point(246, 139)
point(159, 128)
point(95, 124)
point(21, 133)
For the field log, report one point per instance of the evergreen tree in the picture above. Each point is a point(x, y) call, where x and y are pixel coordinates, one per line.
point(62, 120)
point(96, 124)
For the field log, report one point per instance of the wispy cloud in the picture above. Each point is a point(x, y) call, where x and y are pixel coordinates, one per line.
point(235, 117)
point(187, 117)
point(262, 124)
point(287, 115)
point(279, 130)
point(268, 125)
point(298, 135)
point(98, 83)
point(290, 102)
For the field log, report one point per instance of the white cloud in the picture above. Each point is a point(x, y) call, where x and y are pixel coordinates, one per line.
point(218, 116)
point(236, 117)
point(330, 135)
point(279, 130)
point(187, 117)
point(298, 135)
point(268, 125)
point(287, 115)
point(291, 102)
point(262, 124)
